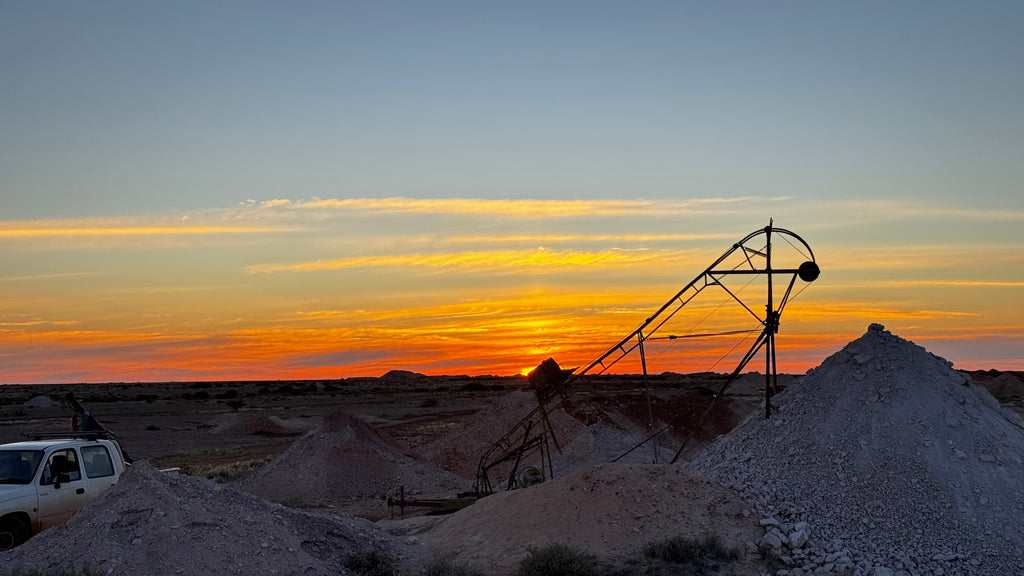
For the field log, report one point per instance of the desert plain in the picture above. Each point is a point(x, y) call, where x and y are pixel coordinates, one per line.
point(292, 477)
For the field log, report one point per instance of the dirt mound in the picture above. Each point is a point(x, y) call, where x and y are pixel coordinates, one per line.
point(41, 402)
point(893, 459)
point(692, 414)
point(752, 384)
point(344, 462)
point(603, 443)
point(254, 424)
point(403, 375)
point(611, 510)
point(167, 524)
point(460, 451)
point(1003, 386)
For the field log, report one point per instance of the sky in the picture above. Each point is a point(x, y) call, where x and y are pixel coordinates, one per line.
point(270, 190)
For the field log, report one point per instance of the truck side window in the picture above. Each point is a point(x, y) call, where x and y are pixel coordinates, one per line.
point(61, 462)
point(97, 461)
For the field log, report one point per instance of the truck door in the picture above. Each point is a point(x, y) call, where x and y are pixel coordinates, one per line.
point(62, 488)
point(99, 469)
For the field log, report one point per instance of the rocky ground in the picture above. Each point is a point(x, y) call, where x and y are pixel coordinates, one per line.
point(157, 523)
point(610, 510)
point(882, 461)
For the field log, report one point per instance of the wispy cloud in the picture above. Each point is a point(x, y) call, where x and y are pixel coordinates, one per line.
point(540, 258)
point(514, 208)
point(35, 323)
point(579, 238)
point(872, 312)
point(35, 277)
point(910, 256)
point(944, 284)
point(62, 229)
point(919, 210)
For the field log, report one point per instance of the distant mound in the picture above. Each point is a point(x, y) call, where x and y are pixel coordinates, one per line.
point(460, 450)
point(402, 375)
point(343, 461)
point(752, 383)
point(602, 443)
point(1004, 385)
point(255, 425)
point(168, 524)
point(895, 460)
point(41, 402)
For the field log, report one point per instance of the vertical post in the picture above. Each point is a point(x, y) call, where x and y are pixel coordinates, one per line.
point(647, 392)
point(768, 325)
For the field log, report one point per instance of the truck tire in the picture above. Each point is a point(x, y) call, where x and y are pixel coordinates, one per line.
point(12, 532)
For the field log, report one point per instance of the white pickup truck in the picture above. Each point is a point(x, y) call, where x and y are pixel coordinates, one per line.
point(43, 482)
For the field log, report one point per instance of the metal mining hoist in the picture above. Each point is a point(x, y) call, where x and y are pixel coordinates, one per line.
point(751, 258)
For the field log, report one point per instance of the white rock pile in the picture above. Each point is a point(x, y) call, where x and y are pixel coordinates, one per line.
point(347, 465)
point(882, 461)
point(156, 524)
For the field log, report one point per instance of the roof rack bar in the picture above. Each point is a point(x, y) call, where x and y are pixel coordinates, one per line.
point(90, 435)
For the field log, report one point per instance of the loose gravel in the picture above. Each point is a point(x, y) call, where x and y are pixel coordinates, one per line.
point(882, 461)
point(164, 524)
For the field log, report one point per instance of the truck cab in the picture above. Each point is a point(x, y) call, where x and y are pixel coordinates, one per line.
point(44, 481)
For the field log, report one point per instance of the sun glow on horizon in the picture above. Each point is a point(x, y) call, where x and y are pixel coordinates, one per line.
point(231, 303)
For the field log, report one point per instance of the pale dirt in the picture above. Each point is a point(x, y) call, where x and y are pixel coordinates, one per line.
point(159, 524)
point(347, 465)
point(460, 450)
point(611, 510)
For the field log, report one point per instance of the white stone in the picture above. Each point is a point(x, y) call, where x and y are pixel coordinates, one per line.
point(797, 539)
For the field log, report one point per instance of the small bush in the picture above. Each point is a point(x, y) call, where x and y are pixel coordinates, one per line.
point(225, 472)
point(558, 560)
point(706, 554)
point(445, 566)
point(682, 550)
point(371, 563)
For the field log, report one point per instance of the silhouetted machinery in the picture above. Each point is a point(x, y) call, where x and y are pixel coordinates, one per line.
point(754, 257)
point(751, 258)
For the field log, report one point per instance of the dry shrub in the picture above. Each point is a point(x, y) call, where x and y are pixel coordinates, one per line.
point(703, 555)
point(229, 472)
point(371, 563)
point(558, 560)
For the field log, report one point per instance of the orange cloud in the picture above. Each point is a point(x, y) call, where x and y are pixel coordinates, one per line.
point(562, 238)
point(945, 284)
point(871, 312)
point(540, 258)
point(524, 208)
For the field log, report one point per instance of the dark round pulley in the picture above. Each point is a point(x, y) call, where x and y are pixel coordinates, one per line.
point(809, 271)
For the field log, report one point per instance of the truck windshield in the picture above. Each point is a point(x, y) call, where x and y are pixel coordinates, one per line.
point(19, 466)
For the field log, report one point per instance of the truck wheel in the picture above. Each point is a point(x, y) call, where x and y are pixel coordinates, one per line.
point(12, 533)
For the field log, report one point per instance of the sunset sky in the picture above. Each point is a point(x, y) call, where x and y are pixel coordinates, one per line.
point(259, 190)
